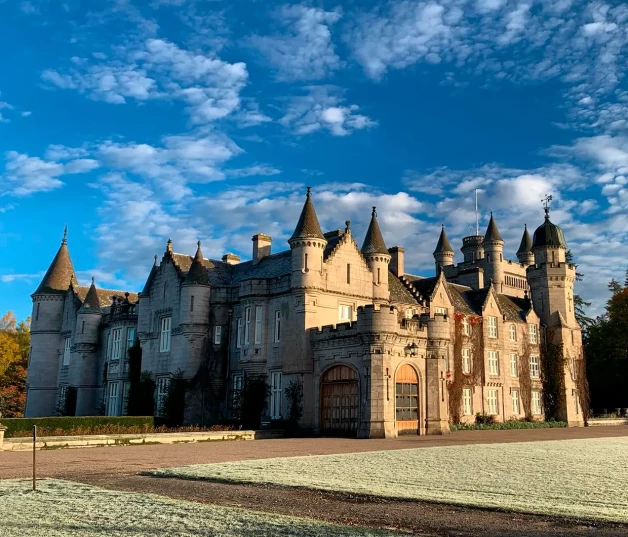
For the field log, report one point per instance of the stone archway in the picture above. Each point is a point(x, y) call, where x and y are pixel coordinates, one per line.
point(340, 400)
point(407, 400)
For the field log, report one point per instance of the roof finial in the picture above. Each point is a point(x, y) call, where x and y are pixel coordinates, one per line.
point(546, 204)
point(309, 191)
point(374, 211)
point(65, 235)
point(155, 257)
point(198, 244)
point(93, 281)
point(348, 226)
point(169, 245)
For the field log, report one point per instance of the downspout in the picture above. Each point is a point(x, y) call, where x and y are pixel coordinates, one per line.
point(228, 372)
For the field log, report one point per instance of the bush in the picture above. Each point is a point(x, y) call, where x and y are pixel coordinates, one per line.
point(72, 425)
point(509, 424)
point(484, 419)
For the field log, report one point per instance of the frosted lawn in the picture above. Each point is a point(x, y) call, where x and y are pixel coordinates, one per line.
point(65, 509)
point(574, 478)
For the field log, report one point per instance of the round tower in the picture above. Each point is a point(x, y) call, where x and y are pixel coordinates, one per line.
point(472, 248)
point(377, 258)
point(443, 253)
point(493, 246)
point(524, 253)
point(308, 246)
point(195, 292)
point(88, 318)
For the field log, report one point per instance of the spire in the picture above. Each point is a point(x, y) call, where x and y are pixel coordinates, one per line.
point(197, 275)
point(60, 273)
point(492, 233)
point(169, 245)
point(91, 304)
point(526, 242)
point(443, 244)
point(374, 242)
point(308, 226)
point(151, 277)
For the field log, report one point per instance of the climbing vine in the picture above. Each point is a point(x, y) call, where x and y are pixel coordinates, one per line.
point(525, 378)
point(553, 362)
point(582, 385)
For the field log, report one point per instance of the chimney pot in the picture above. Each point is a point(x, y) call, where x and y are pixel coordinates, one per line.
point(261, 247)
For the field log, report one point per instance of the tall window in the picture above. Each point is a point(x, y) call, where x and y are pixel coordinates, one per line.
point(247, 325)
point(513, 332)
point(493, 363)
point(348, 273)
point(515, 402)
point(112, 401)
point(125, 398)
point(259, 312)
point(277, 326)
point(162, 391)
point(116, 343)
point(492, 327)
point(344, 312)
point(192, 303)
point(492, 400)
point(66, 351)
point(536, 402)
point(275, 395)
point(466, 329)
point(217, 335)
point(236, 394)
point(466, 361)
point(378, 277)
point(164, 334)
point(239, 334)
point(514, 365)
point(130, 338)
point(467, 401)
point(535, 367)
point(534, 334)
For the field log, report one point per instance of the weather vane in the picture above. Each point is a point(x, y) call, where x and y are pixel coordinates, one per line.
point(546, 203)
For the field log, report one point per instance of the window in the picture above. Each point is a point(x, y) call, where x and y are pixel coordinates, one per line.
point(534, 334)
point(306, 267)
point(238, 383)
point(466, 329)
point(514, 365)
point(275, 395)
point(217, 335)
point(125, 398)
point(515, 402)
point(130, 338)
point(277, 326)
point(409, 313)
point(112, 400)
point(492, 327)
point(37, 312)
point(492, 400)
point(536, 402)
point(466, 361)
point(83, 327)
point(513, 332)
point(493, 363)
point(348, 273)
point(164, 336)
point(239, 334)
point(467, 401)
point(378, 278)
point(116, 345)
point(344, 313)
point(535, 367)
point(192, 303)
point(162, 391)
point(66, 351)
point(247, 325)
point(258, 324)
point(63, 391)
point(442, 311)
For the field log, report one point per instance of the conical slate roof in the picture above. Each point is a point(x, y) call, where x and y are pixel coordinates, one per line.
point(526, 242)
point(443, 244)
point(308, 226)
point(151, 277)
point(60, 273)
point(91, 304)
point(197, 275)
point(374, 242)
point(492, 233)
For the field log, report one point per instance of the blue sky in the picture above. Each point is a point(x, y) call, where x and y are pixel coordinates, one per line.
point(135, 121)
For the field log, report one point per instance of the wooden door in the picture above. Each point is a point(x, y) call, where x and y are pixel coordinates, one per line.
point(340, 402)
point(407, 400)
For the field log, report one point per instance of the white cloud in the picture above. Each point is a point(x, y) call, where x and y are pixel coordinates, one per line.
point(251, 171)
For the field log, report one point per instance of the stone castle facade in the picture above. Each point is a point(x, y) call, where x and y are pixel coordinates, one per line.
point(377, 351)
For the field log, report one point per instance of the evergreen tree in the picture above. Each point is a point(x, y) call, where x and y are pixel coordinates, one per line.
point(579, 303)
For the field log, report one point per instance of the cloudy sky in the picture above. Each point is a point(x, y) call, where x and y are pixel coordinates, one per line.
point(132, 121)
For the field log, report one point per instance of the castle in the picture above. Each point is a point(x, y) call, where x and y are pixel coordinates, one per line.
point(377, 352)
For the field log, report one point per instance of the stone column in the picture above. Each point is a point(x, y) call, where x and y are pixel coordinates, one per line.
point(2, 429)
point(436, 385)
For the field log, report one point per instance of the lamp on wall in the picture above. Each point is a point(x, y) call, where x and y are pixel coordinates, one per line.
point(411, 349)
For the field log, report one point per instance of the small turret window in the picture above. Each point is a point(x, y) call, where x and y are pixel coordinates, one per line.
point(378, 278)
point(348, 273)
point(83, 327)
point(37, 312)
point(305, 264)
point(192, 303)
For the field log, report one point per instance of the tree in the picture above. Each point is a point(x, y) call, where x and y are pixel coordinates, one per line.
point(579, 303)
point(14, 349)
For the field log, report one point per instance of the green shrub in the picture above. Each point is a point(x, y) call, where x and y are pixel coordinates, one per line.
point(73, 425)
point(509, 424)
point(484, 419)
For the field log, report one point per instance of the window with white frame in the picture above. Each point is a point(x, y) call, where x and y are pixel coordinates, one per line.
point(275, 395)
point(164, 334)
point(534, 334)
point(130, 338)
point(67, 345)
point(466, 361)
point(239, 334)
point(409, 313)
point(442, 311)
point(514, 365)
point(512, 332)
point(112, 400)
point(492, 327)
point(247, 325)
point(116, 343)
point(493, 363)
point(125, 398)
point(259, 317)
point(466, 328)
point(467, 401)
point(536, 402)
point(535, 367)
point(344, 312)
point(162, 391)
point(217, 335)
point(516, 407)
point(492, 400)
point(277, 331)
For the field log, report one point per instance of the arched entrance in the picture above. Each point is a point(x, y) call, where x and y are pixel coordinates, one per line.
point(340, 401)
point(407, 400)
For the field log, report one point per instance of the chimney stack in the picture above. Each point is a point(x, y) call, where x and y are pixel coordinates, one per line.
point(232, 259)
point(261, 247)
point(396, 262)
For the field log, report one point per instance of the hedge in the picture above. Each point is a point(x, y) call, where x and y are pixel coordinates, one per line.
point(510, 424)
point(76, 425)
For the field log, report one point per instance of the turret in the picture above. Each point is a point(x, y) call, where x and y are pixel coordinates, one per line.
point(472, 248)
point(46, 322)
point(195, 292)
point(493, 246)
point(443, 253)
point(524, 253)
point(88, 318)
point(377, 258)
point(308, 245)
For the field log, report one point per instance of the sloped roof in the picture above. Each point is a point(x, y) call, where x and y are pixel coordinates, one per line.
point(197, 273)
point(374, 241)
point(151, 277)
point(443, 244)
point(513, 308)
point(526, 242)
point(492, 233)
point(60, 273)
point(425, 286)
point(91, 304)
point(272, 266)
point(104, 295)
point(398, 291)
point(457, 299)
point(308, 226)
point(475, 298)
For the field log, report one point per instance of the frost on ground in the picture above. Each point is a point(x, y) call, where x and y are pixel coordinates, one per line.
point(574, 478)
point(64, 509)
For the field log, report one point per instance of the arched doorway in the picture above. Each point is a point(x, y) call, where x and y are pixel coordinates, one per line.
point(340, 401)
point(407, 400)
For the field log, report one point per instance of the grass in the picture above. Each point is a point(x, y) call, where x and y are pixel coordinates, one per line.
point(67, 509)
point(583, 479)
